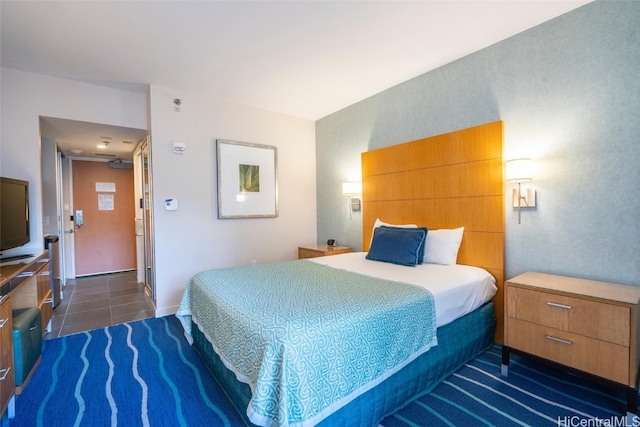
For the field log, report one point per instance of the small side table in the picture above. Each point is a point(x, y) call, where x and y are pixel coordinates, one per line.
point(314, 251)
point(586, 327)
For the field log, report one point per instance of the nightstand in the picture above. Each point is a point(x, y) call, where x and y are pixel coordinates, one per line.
point(586, 327)
point(314, 251)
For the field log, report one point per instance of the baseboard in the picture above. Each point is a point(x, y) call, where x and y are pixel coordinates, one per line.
point(167, 311)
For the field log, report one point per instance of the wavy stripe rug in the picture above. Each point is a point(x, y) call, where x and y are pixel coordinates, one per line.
point(145, 374)
point(136, 374)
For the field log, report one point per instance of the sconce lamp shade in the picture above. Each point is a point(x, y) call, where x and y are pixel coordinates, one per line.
point(519, 170)
point(351, 188)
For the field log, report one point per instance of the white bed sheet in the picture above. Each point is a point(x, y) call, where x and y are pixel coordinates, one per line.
point(456, 289)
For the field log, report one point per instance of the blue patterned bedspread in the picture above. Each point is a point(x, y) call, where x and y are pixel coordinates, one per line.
point(307, 338)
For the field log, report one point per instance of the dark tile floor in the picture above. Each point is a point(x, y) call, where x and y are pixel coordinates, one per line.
point(98, 301)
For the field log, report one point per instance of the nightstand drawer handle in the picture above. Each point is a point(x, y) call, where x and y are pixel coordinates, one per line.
point(560, 340)
point(5, 372)
point(553, 304)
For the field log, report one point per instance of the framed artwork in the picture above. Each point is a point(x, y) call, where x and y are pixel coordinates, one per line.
point(247, 180)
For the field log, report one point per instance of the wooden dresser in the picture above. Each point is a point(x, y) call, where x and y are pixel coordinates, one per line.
point(7, 374)
point(587, 326)
point(23, 284)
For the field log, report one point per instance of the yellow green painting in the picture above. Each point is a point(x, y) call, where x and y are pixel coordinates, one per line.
point(250, 178)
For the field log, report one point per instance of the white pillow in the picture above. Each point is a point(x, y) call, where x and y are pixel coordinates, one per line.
point(441, 246)
point(379, 223)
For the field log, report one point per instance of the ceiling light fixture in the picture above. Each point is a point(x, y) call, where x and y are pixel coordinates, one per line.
point(103, 145)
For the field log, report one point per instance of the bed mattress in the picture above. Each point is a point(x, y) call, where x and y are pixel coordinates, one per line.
point(456, 289)
point(458, 342)
point(310, 337)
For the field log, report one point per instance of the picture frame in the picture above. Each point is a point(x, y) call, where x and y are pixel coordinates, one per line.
point(247, 180)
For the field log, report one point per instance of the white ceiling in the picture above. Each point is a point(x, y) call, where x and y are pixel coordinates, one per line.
point(303, 58)
point(84, 138)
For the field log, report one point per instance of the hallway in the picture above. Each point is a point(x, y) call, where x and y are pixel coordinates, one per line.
point(98, 301)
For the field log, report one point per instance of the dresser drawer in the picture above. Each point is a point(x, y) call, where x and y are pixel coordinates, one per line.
point(8, 384)
point(44, 283)
point(307, 253)
point(595, 319)
point(597, 357)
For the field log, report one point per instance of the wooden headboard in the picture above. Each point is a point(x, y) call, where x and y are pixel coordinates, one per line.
point(444, 181)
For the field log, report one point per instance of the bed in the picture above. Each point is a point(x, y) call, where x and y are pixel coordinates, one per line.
point(349, 339)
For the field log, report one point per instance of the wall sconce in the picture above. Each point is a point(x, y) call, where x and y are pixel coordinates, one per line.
point(350, 189)
point(519, 171)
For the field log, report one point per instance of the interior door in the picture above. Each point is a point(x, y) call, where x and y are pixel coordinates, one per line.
point(148, 219)
point(139, 208)
point(67, 223)
point(103, 210)
point(143, 221)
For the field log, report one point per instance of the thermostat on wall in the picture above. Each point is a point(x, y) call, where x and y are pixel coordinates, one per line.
point(179, 147)
point(170, 204)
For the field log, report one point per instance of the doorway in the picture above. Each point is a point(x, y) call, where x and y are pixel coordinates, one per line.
point(104, 215)
point(83, 141)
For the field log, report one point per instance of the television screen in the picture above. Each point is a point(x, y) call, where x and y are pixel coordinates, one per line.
point(14, 213)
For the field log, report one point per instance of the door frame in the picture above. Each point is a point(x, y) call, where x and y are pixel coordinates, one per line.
point(60, 161)
point(144, 217)
point(66, 183)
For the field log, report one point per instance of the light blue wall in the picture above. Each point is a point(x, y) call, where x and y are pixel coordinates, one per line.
point(568, 92)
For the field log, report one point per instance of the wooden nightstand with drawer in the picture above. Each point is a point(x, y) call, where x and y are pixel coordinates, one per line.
point(586, 326)
point(314, 251)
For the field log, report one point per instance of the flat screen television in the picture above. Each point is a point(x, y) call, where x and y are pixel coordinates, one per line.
point(14, 213)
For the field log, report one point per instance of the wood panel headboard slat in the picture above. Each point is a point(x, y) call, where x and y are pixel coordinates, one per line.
point(445, 181)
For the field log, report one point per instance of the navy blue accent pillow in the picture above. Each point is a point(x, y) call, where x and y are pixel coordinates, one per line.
point(423, 246)
point(403, 246)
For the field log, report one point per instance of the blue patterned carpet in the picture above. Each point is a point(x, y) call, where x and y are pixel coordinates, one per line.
point(532, 395)
point(135, 374)
point(145, 374)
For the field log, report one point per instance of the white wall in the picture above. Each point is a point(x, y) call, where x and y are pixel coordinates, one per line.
point(49, 156)
point(569, 94)
point(26, 97)
point(192, 239)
